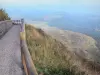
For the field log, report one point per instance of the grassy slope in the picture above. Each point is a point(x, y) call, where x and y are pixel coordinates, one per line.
point(47, 53)
point(50, 56)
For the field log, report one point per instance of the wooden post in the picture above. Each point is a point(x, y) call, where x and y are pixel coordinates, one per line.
point(31, 70)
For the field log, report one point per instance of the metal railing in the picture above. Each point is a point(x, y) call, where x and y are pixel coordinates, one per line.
point(17, 22)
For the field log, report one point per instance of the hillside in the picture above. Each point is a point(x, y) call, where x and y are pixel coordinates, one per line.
point(82, 45)
point(60, 55)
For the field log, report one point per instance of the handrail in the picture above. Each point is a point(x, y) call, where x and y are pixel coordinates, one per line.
point(28, 64)
point(16, 22)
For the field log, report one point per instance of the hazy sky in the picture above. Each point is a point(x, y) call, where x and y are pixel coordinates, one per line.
point(49, 2)
point(80, 6)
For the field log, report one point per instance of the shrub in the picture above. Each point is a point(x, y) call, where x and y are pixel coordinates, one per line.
point(3, 15)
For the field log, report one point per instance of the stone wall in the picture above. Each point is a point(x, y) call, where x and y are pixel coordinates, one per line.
point(4, 27)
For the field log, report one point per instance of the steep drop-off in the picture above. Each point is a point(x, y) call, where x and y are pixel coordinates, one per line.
point(62, 52)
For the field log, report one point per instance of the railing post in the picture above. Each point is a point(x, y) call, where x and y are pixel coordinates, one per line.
point(23, 25)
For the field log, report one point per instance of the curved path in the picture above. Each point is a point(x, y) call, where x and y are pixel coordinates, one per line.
point(10, 53)
point(15, 58)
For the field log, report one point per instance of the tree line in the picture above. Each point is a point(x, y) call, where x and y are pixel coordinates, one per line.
point(3, 15)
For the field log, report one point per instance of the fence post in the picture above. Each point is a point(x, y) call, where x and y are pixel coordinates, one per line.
point(23, 26)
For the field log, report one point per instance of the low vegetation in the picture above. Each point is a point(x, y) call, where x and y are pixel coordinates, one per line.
point(50, 56)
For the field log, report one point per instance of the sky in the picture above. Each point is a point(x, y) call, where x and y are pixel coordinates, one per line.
point(48, 2)
point(71, 6)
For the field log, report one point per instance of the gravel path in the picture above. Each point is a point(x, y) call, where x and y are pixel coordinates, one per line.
point(10, 53)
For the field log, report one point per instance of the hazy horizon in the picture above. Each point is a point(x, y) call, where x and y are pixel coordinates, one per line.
point(29, 8)
point(75, 15)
